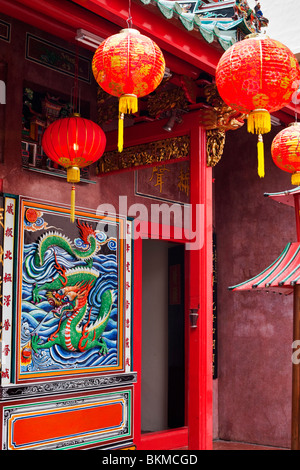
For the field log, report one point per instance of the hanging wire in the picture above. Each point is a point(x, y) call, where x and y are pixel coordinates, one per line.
point(75, 103)
point(129, 19)
point(296, 100)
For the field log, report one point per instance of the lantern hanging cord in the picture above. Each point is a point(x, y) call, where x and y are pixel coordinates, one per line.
point(129, 19)
point(75, 97)
point(296, 101)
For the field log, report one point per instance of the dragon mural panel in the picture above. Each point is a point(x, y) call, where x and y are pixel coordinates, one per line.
point(71, 310)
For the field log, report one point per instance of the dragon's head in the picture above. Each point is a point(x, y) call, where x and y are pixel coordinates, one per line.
point(69, 298)
point(85, 231)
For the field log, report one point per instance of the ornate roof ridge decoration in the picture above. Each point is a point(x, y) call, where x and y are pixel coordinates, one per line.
point(226, 21)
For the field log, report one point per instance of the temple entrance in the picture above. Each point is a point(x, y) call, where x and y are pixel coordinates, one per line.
point(173, 390)
point(163, 336)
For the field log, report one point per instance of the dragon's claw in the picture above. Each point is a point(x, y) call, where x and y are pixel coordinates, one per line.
point(103, 347)
point(35, 296)
point(35, 341)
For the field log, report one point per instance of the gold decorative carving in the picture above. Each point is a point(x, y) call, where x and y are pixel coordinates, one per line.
point(215, 141)
point(217, 118)
point(165, 100)
point(153, 153)
point(216, 114)
point(107, 107)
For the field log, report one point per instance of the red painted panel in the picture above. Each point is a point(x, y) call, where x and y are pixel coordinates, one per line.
point(173, 439)
point(174, 39)
point(104, 18)
point(56, 424)
point(35, 18)
point(70, 15)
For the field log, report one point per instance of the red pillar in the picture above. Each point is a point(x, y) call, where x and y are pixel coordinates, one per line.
point(200, 337)
point(297, 215)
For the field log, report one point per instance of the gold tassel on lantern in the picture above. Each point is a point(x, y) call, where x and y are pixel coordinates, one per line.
point(127, 104)
point(296, 178)
point(120, 132)
point(73, 176)
point(72, 212)
point(259, 122)
point(260, 157)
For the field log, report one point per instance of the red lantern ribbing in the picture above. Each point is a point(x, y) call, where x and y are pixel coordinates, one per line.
point(285, 151)
point(257, 76)
point(74, 142)
point(128, 65)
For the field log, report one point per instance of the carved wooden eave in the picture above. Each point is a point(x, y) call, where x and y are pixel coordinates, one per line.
point(217, 117)
point(176, 96)
point(215, 142)
point(154, 153)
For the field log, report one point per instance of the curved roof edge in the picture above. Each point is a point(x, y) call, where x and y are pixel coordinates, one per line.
point(285, 197)
point(281, 276)
point(214, 21)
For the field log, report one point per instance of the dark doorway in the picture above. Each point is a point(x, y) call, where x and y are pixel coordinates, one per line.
point(163, 334)
point(176, 335)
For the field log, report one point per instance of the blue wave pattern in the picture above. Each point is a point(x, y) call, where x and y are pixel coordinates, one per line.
point(38, 319)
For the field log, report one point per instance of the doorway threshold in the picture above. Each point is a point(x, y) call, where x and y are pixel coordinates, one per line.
point(234, 445)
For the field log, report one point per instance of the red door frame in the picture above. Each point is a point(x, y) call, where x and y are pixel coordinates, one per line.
point(200, 386)
point(198, 433)
point(174, 438)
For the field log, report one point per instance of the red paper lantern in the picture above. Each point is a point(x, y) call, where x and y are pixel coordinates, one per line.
point(285, 151)
point(257, 76)
point(128, 65)
point(74, 142)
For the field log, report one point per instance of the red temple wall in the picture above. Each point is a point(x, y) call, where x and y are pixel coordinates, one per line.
point(253, 390)
point(17, 180)
point(254, 328)
point(20, 181)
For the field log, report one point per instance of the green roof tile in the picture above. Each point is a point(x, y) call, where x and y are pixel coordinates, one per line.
point(207, 18)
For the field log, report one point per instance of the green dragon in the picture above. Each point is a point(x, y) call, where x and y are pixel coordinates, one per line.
point(88, 236)
point(68, 294)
